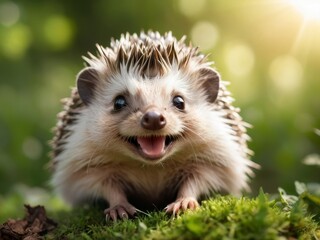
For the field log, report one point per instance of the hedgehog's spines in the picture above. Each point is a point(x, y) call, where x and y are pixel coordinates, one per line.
point(66, 118)
point(150, 53)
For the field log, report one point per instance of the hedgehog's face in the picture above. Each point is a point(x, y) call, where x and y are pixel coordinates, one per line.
point(150, 114)
point(142, 118)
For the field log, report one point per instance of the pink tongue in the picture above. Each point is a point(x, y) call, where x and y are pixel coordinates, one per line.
point(152, 146)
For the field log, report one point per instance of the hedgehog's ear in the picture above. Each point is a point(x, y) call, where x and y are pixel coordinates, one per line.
point(86, 82)
point(210, 81)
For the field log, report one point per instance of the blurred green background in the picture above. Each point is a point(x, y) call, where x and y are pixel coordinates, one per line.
point(268, 50)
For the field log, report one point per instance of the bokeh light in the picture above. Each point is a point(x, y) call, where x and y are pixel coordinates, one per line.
point(32, 148)
point(9, 13)
point(58, 32)
point(16, 41)
point(239, 58)
point(286, 73)
point(204, 35)
point(191, 8)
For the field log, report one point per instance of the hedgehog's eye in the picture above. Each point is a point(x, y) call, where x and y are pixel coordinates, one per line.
point(178, 102)
point(119, 103)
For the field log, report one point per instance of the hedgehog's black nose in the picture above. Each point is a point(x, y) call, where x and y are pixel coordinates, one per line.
point(153, 120)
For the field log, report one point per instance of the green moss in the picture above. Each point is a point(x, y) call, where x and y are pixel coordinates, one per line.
point(222, 217)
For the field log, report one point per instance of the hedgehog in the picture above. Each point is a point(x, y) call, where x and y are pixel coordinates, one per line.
point(149, 125)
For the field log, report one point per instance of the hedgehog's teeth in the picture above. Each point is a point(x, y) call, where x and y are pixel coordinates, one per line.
point(133, 140)
point(151, 147)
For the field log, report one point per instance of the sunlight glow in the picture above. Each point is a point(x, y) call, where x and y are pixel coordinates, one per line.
point(309, 9)
point(306, 16)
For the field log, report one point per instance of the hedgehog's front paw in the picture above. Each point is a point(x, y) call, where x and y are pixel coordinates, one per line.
point(183, 204)
point(121, 211)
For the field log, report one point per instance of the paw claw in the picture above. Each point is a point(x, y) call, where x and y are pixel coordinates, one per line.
point(182, 204)
point(122, 213)
point(119, 212)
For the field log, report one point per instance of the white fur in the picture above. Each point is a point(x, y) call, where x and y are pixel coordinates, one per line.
point(94, 159)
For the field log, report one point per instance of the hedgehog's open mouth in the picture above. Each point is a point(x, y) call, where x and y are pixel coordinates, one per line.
point(152, 147)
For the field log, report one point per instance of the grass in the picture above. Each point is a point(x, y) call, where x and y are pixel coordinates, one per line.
point(222, 217)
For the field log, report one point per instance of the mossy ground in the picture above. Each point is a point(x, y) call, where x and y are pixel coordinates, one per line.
point(222, 217)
